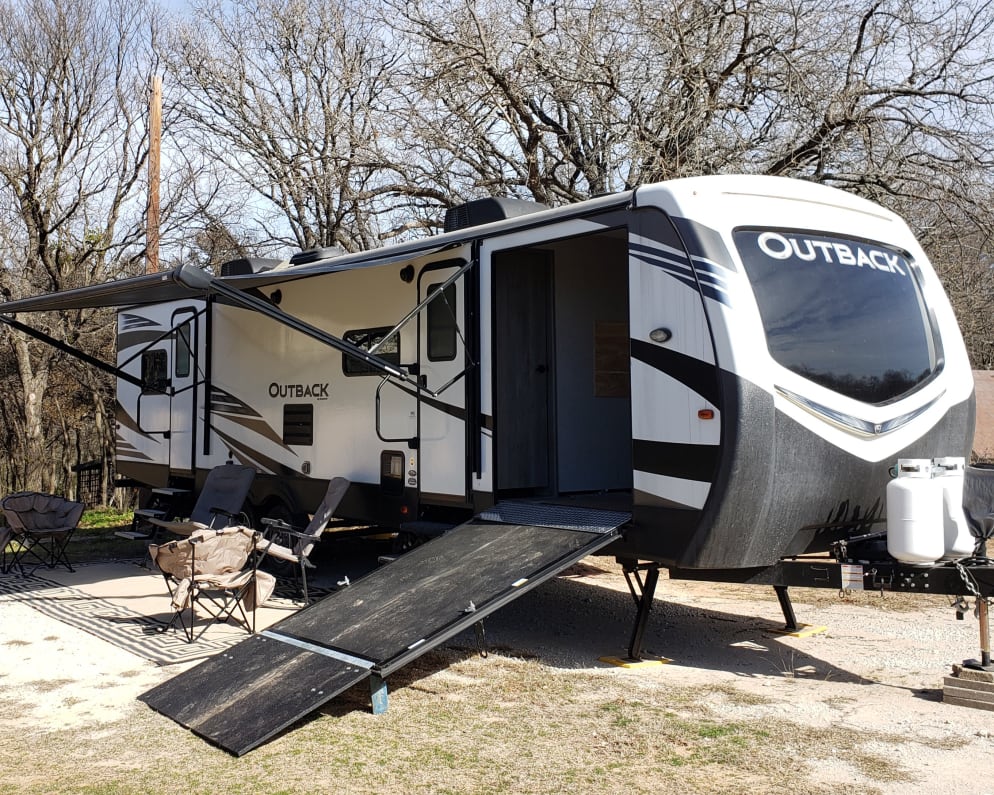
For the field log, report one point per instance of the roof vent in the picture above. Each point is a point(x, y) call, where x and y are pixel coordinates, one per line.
point(244, 266)
point(485, 211)
point(315, 254)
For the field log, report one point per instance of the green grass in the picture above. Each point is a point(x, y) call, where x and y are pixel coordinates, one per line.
point(99, 519)
point(94, 539)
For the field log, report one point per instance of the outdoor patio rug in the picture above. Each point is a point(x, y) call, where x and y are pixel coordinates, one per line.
point(127, 606)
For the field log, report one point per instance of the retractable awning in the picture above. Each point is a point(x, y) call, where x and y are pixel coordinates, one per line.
point(189, 281)
point(151, 289)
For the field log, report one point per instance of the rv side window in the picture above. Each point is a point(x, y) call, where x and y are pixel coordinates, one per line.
point(155, 372)
point(298, 423)
point(182, 364)
point(366, 338)
point(442, 325)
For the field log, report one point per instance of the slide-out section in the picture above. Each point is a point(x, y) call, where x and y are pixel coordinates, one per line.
point(242, 697)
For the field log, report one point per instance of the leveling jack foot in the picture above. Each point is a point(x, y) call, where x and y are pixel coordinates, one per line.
point(979, 665)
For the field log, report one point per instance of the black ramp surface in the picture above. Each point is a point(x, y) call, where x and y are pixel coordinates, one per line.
point(242, 697)
point(439, 589)
point(398, 612)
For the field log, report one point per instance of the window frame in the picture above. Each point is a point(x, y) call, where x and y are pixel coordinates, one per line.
point(352, 367)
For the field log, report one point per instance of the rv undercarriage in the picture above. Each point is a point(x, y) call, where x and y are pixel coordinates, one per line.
point(964, 579)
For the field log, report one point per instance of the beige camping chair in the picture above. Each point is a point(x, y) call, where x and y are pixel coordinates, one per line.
point(292, 545)
point(217, 571)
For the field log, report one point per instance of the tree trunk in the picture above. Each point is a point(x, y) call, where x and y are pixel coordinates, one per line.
point(34, 382)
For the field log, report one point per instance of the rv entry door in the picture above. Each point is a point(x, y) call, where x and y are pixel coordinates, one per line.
point(186, 338)
point(442, 364)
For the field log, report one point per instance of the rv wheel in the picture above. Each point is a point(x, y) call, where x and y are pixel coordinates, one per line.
point(278, 510)
point(405, 541)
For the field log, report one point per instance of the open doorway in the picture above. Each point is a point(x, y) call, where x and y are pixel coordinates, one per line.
point(562, 399)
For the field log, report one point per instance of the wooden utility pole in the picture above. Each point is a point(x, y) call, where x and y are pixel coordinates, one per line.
point(154, 140)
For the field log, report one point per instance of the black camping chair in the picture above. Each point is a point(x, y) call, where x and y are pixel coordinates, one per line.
point(293, 545)
point(219, 504)
point(40, 525)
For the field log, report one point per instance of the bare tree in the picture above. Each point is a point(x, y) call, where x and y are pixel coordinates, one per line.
point(73, 146)
point(292, 95)
point(568, 98)
point(560, 100)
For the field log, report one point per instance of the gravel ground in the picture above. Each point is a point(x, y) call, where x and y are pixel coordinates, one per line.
point(874, 669)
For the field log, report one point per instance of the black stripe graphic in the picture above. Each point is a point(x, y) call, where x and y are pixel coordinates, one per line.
point(129, 339)
point(692, 373)
point(708, 282)
point(702, 241)
point(135, 321)
point(690, 461)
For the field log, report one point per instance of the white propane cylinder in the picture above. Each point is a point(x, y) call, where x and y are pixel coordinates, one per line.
point(950, 472)
point(914, 513)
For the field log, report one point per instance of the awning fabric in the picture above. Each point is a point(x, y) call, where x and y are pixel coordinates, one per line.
point(188, 281)
point(150, 289)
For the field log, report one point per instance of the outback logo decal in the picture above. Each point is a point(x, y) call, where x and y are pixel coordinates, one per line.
point(298, 391)
point(837, 252)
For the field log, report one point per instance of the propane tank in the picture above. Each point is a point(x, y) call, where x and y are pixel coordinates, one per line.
point(950, 473)
point(914, 513)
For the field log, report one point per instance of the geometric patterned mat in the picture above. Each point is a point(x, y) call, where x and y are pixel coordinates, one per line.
point(112, 620)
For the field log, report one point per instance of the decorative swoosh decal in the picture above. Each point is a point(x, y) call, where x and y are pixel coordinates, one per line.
point(254, 458)
point(226, 405)
point(438, 405)
point(692, 373)
point(131, 339)
point(688, 461)
point(695, 273)
point(130, 321)
point(125, 420)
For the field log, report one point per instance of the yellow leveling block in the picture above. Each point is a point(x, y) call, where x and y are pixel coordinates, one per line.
point(802, 631)
point(621, 662)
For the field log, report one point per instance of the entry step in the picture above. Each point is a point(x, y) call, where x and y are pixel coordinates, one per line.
point(564, 517)
point(134, 535)
point(168, 491)
point(150, 513)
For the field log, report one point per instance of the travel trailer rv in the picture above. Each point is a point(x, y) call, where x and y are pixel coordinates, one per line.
point(712, 375)
point(737, 361)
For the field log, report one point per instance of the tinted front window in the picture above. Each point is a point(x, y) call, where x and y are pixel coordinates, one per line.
point(844, 313)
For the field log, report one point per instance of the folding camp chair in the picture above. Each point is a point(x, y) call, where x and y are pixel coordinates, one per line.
point(292, 545)
point(41, 526)
point(220, 502)
point(216, 571)
point(5, 536)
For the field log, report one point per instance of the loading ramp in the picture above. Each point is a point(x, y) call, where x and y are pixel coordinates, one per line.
point(242, 697)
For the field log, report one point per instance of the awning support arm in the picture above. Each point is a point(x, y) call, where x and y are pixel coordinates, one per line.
point(117, 372)
point(198, 279)
point(428, 299)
